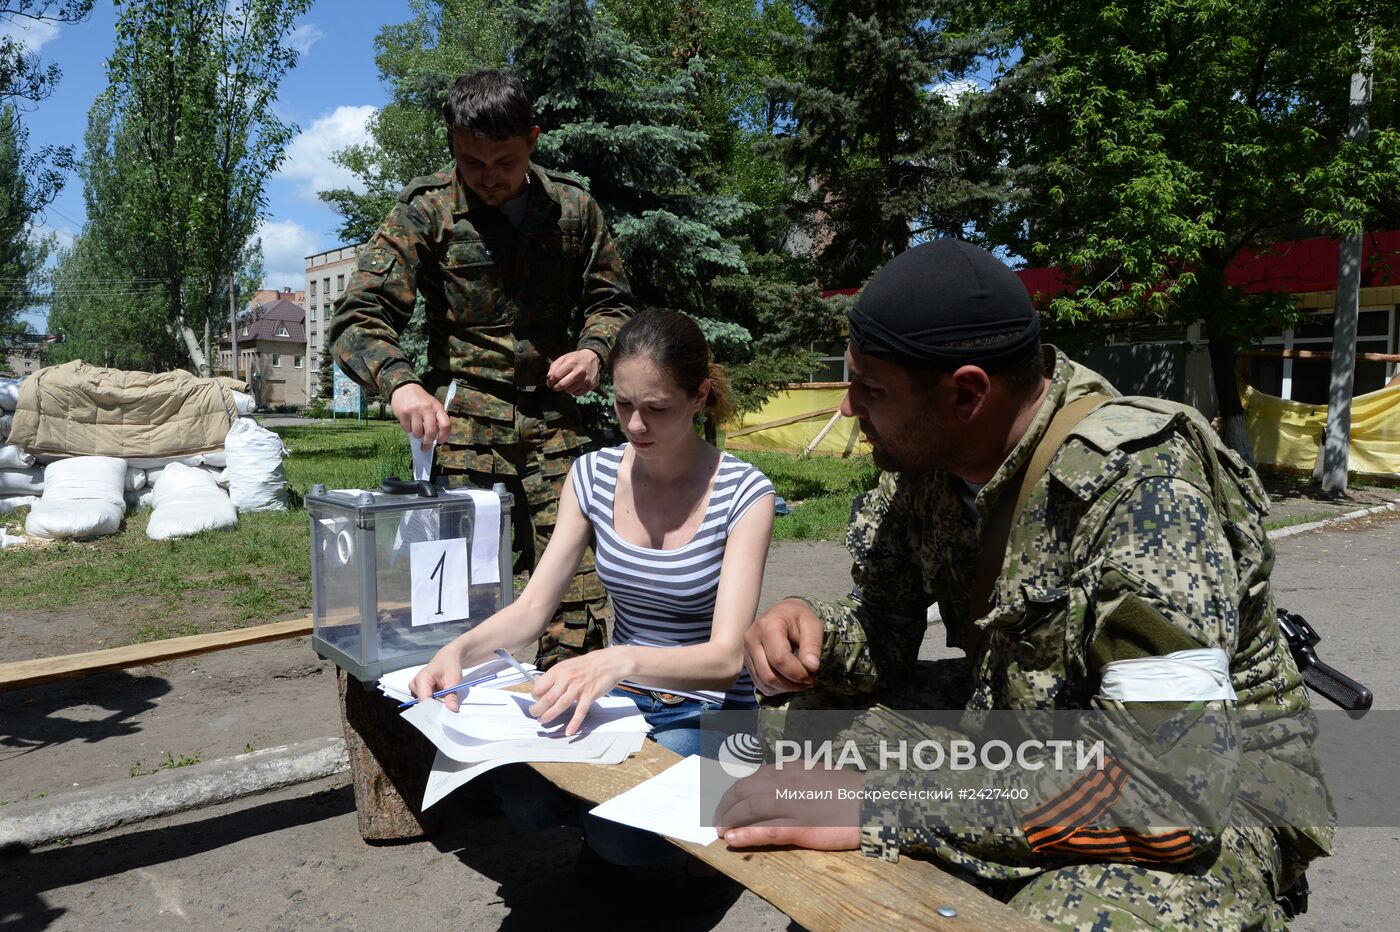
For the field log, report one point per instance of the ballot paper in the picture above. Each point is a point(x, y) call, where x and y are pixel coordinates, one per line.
point(395, 685)
point(669, 803)
point(493, 727)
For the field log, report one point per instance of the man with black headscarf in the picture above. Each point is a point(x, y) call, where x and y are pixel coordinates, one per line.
point(1087, 552)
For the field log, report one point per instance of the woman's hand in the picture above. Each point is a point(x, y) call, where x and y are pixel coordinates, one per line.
point(444, 670)
point(578, 681)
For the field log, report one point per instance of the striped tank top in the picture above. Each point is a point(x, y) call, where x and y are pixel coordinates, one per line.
point(666, 598)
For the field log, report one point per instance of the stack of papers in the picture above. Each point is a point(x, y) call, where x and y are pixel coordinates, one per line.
point(493, 727)
point(395, 685)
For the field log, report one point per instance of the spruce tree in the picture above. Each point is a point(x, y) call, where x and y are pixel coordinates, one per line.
point(876, 133)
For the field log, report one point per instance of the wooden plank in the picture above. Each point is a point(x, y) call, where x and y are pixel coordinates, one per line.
point(784, 421)
point(67, 666)
point(821, 434)
point(821, 890)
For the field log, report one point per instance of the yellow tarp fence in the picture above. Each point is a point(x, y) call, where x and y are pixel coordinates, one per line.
point(791, 419)
point(1289, 433)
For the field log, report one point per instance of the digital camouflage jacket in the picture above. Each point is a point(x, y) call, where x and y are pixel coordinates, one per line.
point(1145, 537)
point(502, 302)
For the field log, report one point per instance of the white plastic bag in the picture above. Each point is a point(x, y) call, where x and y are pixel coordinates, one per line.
point(16, 502)
point(143, 500)
point(244, 403)
point(187, 501)
point(7, 420)
point(134, 480)
point(256, 480)
point(21, 481)
point(13, 457)
point(155, 462)
point(82, 498)
point(9, 394)
point(8, 540)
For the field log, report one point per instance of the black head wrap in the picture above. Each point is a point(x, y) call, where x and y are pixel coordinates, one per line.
point(942, 292)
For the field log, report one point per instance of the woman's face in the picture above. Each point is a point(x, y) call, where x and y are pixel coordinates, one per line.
point(653, 411)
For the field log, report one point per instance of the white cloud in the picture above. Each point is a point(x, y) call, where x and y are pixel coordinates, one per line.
point(308, 164)
point(305, 36)
point(286, 244)
point(32, 34)
point(950, 91)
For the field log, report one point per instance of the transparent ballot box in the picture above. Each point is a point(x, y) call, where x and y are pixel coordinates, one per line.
point(397, 573)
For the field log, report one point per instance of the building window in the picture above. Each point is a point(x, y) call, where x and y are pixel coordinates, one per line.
point(296, 362)
point(276, 361)
point(313, 313)
point(339, 284)
point(315, 340)
point(326, 285)
point(313, 287)
point(282, 331)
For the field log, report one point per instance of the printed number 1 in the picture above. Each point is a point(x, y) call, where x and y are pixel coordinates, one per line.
point(439, 575)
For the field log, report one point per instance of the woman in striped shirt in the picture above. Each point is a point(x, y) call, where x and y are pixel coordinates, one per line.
point(680, 531)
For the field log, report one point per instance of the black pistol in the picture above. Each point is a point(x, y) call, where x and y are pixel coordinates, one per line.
point(1319, 677)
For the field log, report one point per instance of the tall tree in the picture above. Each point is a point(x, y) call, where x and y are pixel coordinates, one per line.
point(180, 147)
point(29, 181)
point(22, 251)
point(876, 132)
point(418, 60)
point(1168, 135)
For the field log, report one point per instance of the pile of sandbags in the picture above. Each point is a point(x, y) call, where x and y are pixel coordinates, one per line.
point(81, 496)
point(19, 478)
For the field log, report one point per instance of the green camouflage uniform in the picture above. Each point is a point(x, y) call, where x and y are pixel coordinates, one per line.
point(502, 304)
point(1144, 537)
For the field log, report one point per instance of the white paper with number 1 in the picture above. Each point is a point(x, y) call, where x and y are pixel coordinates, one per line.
point(440, 581)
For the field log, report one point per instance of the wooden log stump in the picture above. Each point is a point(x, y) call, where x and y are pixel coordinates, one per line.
point(389, 763)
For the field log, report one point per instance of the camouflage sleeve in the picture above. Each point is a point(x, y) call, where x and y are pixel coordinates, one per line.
point(871, 638)
point(606, 300)
point(1162, 580)
point(378, 303)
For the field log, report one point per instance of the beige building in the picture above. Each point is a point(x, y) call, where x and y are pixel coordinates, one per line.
point(271, 353)
point(326, 275)
point(23, 362)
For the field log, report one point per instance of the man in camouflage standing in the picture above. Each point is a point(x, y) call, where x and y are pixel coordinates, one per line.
point(525, 292)
point(1129, 584)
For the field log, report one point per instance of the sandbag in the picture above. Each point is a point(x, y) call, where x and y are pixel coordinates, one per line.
point(216, 458)
point(143, 500)
point(134, 480)
point(152, 462)
point(13, 457)
point(7, 418)
point(9, 394)
point(16, 502)
point(256, 480)
point(21, 481)
point(244, 403)
point(187, 501)
point(8, 540)
point(82, 498)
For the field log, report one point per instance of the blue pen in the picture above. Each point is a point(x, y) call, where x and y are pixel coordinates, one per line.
point(452, 689)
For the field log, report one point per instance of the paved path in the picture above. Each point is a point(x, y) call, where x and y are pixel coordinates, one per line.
point(292, 858)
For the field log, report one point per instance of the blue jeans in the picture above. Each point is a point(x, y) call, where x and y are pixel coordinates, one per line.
point(532, 803)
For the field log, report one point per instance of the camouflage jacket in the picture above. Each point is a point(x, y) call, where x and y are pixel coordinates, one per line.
point(1144, 537)
point(501, 303)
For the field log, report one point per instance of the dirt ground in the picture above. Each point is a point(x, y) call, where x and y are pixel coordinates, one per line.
point(293, 859)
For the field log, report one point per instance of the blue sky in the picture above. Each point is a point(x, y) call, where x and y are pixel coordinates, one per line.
point(328, 96)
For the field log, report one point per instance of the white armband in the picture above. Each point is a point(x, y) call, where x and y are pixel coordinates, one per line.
point(1199, 675)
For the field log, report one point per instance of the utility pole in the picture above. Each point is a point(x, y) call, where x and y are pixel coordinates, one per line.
point(1337, 437)
point(233, 322)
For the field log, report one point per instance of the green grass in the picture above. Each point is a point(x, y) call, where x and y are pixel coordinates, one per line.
point(818, 489)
